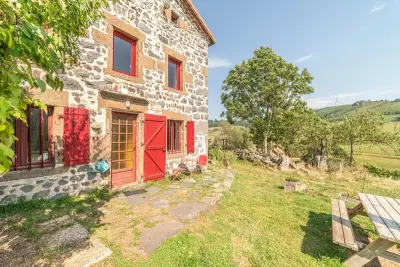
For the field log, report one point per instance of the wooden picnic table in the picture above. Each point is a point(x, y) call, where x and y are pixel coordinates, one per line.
point(384, 213)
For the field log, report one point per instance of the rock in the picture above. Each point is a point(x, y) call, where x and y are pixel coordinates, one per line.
point(187, 211)
point(137, 199)
point(158, 218)
point(144, 28)
point(169, 192)
point(189, 180)
point(70, 84)
point(227, 183)
point(41, 194)
point(160, 204)
point(153, 190)
point(194, 195)
point(66, 237)
point(27, 188)
point(91, 254)
point(152, 238)
point(163, 39)
point(209, 200)
point(284, 164)
point(50, 226)
point(216, 185)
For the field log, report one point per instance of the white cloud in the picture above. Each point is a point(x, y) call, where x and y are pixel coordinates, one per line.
point(302, 59)
point(215, 62)
point(378, 7)
point(321, 102)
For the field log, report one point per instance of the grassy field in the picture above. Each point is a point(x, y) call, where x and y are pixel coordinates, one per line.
point(258, 224)
point(255, 224)
point(337, 113)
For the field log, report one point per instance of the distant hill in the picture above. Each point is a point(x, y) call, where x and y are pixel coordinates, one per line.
point(390, 109)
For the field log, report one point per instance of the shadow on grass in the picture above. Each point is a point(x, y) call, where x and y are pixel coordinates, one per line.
point(20, 233)
point(317, 240)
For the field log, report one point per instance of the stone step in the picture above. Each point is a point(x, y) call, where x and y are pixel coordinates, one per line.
point(73, 235)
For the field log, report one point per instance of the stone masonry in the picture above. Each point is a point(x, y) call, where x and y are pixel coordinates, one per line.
point(158, 37)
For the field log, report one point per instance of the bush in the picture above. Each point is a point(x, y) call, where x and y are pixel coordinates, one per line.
point(224, 156)
point(232, 136)
point(381, 172)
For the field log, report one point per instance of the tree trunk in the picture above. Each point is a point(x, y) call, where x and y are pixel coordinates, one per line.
point(351, 154)
point(265, 147)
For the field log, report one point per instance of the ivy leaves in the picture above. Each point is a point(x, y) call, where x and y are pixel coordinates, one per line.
point(37, 39)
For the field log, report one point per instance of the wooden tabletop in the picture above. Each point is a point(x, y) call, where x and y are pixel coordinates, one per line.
point(385, 215)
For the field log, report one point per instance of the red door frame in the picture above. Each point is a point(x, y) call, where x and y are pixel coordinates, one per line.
point(115, 183)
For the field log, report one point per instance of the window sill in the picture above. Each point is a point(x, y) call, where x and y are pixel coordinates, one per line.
point(175, 90)
point(123, 76)
point(176, 156)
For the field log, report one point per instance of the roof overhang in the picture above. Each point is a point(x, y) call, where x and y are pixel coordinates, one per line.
point(200, 22)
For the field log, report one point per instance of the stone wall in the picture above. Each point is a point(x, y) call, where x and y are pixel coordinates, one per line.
point(62, 182)
point(158, 37)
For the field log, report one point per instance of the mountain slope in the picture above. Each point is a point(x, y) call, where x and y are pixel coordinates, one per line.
point(391, 110)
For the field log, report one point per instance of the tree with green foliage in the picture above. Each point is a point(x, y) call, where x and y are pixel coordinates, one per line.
point(363, 129)
point(36, 35)
point(260, 89)
point(301, 132)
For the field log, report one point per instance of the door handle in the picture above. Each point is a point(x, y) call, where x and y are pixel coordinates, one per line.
point(164, 149)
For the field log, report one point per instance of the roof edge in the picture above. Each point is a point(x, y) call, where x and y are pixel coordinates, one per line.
point(203, 24)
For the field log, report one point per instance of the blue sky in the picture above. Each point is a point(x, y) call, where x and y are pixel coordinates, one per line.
point(352, 48)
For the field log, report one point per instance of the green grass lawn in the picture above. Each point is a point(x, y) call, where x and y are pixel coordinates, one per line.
point(255, 224)
point(258, 224)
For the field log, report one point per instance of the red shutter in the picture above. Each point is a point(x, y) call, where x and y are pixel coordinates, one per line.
point(76, 136)
point(190, 136)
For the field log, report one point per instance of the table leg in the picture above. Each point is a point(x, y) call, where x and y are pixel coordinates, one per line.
point(357, 210)
point(369, 253)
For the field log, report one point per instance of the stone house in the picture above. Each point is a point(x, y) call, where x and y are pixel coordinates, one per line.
point(139, 99)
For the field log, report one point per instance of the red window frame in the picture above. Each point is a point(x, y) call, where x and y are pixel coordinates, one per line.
point(23, 146)
point(178, 73)
point(133, 49)
point(174, 141)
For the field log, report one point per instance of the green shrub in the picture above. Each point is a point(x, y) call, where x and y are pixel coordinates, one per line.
point(381, 172)
point(224, 156)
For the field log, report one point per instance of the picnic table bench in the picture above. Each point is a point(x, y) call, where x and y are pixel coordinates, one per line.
point(385, 215)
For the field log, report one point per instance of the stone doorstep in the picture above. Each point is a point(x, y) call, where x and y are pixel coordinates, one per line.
point(93, 253)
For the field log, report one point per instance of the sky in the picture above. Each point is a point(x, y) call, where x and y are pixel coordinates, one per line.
point(352, 48)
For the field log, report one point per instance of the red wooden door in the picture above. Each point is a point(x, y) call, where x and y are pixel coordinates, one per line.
point(154, 147)
point(123, 149)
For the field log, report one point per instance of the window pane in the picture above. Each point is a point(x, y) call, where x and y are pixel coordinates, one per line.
point(122, 165)
point(115, 128)
point(130, 128)
point(115, 138)
point(122, 129)
point(122, 55)
point(114, 156)
point(122, 147)
point(114, 165)
point(129, 164)
point(34, 128)
point(122, 138)
point(129, 155)
point(122, 155)
point(172, 75)
point(130, 138)
point(130, 147)
point(115, 147)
